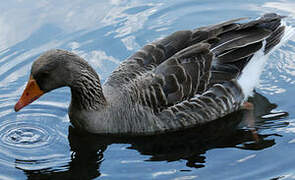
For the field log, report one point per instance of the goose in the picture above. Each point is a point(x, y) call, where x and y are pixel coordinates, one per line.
point(184, 80)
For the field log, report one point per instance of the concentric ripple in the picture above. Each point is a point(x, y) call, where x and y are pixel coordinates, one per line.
point(33, 144)
point(25, 135)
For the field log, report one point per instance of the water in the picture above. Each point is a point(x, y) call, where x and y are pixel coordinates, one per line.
point(38, 142)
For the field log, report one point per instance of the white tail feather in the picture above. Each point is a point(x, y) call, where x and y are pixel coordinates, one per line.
point(249, 78)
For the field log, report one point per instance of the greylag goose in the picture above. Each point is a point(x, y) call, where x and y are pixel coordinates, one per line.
point(186, 79)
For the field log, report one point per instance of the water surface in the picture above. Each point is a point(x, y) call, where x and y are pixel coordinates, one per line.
point(38, 142)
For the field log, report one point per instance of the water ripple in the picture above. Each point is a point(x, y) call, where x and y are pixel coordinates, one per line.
point(25, 135)
point(34, 140)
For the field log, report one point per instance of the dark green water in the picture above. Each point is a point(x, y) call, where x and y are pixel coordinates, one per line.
point(38, 142)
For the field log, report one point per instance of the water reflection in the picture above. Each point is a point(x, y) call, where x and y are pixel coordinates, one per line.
point(35, 141)
point(189, 145)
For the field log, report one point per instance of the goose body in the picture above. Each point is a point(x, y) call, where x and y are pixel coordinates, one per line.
point(186, 79)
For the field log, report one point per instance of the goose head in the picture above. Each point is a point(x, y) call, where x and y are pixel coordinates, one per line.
point(58, 68)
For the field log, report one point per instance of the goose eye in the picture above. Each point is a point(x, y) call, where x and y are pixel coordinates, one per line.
point(41, 78)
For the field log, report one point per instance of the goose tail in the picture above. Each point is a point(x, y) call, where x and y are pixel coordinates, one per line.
point(281, 33)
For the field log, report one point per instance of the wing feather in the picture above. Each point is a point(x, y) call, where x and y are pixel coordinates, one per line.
point(189, 77)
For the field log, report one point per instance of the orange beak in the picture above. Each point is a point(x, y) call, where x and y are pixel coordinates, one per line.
point(30, 94)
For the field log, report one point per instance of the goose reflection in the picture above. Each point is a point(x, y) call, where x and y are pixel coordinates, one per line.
point(189, 145)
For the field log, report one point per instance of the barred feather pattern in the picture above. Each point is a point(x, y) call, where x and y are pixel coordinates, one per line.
point(87, 92)
point(178, 78)
point(218, 101)
point(142, 61)
point(230, 42)
point(184, 80)
point(150, 56)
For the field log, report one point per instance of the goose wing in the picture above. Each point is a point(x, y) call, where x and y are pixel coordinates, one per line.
point(153, 54)
point(198, 83)
point(180, 77)
point(234, 49)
